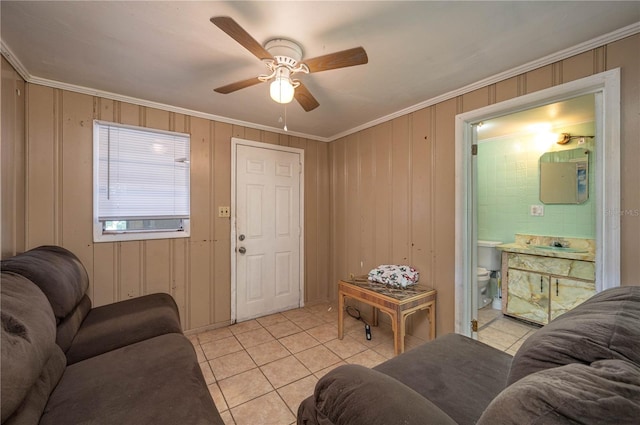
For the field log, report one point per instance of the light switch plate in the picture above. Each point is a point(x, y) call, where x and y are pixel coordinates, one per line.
point(224, 212)
point(537, 210)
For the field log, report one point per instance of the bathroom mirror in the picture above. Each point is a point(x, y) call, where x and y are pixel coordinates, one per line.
point(564, 177)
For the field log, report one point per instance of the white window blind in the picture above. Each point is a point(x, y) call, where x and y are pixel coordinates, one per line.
point(142, 174)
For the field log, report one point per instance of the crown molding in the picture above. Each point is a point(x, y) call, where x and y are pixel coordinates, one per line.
point(170, 108)
point(530, 66)
point(552, 58)
point(14, 61)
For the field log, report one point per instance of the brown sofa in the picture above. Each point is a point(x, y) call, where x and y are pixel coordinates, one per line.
point(582, 368)
point(64, 362)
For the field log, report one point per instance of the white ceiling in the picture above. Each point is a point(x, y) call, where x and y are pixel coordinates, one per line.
point(169, 53)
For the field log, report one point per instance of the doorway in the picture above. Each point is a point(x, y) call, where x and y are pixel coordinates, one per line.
point(266, 229)
point(606, 90)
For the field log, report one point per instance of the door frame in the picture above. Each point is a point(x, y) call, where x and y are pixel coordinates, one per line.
point(235, 142)
point(606, 87)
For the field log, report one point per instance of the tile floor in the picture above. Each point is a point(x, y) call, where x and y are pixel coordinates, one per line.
point(502, 332)
point(259, 371)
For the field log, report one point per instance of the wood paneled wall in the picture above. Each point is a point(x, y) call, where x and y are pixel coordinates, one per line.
point(392, 198)
point(196, 271)
point(13, 160)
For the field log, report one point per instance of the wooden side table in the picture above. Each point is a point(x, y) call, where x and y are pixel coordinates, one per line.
point(397, 303)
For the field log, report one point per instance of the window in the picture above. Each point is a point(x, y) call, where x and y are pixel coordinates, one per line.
point(140, 183)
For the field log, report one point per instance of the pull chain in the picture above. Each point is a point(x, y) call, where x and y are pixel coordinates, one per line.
point(285, 117)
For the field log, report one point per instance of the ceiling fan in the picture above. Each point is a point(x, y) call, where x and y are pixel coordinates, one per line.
point(283, 60)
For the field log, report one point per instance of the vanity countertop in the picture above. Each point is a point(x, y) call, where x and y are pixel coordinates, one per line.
point(556, 253)
point(578, 249)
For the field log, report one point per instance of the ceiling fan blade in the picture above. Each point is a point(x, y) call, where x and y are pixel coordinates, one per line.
point(350, 57)
point(229, 88)
point(305, 98)
point(236, 32)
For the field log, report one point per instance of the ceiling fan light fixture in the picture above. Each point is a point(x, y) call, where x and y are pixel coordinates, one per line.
point(282, 58)
point(281, 88)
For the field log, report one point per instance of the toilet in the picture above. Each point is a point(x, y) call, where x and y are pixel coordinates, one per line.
point(489, 260)
point(484, 277)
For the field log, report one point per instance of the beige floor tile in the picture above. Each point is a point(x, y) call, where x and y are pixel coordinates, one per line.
point(345, 347)
point(320, 308)
point(268, 409)
point(271, 319)
point(496, 338)
point(254, 337)
point(244, 387)
point(386, 350)
point(231, 364)
point(199, 353)
point(209, 377)
point(268, 352)
point(308, 322)
point(351, 324)
point(317, 358)
point(487, 314)
point(214, 335)
point(411, 341)
point(298, 342)
point(297, 313)
point(242, 327)
point(227, 418)
point(379, 335)
point(368, 358)
point(319, 374)
point(221, 347)
point(511, 327)
point(330, 316)
point(280, 330)
point(284, 371)
point(294, 393)
point(325, 332)
point(218, 398)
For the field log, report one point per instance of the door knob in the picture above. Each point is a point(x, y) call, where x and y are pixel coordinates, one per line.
point(242, 250)
point(241, 237)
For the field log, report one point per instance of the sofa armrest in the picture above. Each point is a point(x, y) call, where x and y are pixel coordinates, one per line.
point(123, 323)
point(353, 394)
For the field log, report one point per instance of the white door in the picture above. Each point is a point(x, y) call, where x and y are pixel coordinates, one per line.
point(267, 231)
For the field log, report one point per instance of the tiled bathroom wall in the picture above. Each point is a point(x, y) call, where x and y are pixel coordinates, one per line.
point(508, 185)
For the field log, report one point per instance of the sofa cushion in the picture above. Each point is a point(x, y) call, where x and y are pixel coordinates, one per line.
point(28, 339)
point(603, 327)
point(156, 381)
point(115, 325)
point(353, 394)
point(605, 392)
point(32, 406)
point(57, 272)
point(459, 375)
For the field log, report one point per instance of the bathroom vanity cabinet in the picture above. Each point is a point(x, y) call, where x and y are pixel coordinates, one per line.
point(539, 288)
